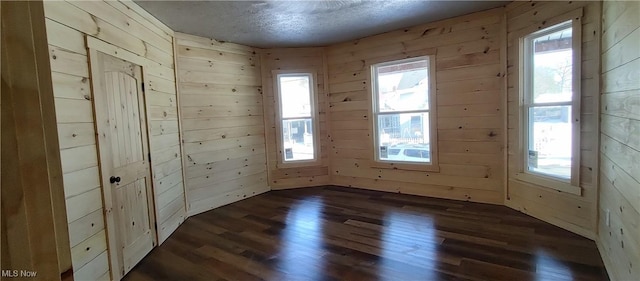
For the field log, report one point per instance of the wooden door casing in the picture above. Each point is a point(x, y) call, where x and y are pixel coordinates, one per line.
point(125, 169)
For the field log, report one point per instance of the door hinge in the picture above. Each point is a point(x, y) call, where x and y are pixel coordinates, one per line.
point(148, 156)
point(142, 85)
point(155, 225)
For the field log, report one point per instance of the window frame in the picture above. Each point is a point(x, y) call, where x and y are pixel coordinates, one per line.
point(279, 118)
point(432, 113)
point(571, 185)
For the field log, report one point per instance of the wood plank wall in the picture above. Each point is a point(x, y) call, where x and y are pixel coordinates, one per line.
point(469, 82)
point(221, 115)
point(312, 59)
point(619, 242)
point(572, 212)
point(34, 221)
point(128, 27)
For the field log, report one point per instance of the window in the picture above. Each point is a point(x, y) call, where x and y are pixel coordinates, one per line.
point(551, 99)
point(298, 118)
point(402, 111)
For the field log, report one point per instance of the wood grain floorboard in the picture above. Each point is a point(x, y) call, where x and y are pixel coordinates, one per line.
point(336, 233)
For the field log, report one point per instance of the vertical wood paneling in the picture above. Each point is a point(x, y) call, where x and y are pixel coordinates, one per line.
point(577, 213)
point(119, 25)
point(221, 116)
point(619, 241)
point(469, 71)
point(310, 59)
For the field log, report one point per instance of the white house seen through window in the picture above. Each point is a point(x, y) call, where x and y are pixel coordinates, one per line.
point(297, 117)
point(402, 111)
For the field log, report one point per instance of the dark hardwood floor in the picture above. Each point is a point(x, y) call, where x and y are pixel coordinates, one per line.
point(335, 233)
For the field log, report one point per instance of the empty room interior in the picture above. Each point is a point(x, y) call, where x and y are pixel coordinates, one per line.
point(320, 140)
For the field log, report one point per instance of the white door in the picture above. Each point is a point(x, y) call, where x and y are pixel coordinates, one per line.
point(124, 150)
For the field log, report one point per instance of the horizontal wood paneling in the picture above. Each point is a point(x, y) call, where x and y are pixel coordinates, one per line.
point(308, 59)
point(35, 236)
point(222, 128)
point(123, 25)
point(577, 213)
point(619, 241)
point(469, 85)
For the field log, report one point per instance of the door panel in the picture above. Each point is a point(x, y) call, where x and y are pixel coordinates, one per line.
point(135, 235)
point(123, 142)
point(124, 118)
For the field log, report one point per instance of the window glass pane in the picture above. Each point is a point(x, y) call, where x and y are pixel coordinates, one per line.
point(297, 139)
point(550, 141)
point(295, 96)
point(394, 151)
point(404, 137)
point(552, 67)
point(403, 86)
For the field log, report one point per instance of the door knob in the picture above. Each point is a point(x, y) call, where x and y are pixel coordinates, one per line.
point(113, 179)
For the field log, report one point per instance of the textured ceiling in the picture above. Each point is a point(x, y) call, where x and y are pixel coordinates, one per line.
point(303, 23)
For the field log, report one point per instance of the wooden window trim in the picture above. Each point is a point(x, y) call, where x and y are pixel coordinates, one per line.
point(571, 186)
point(432, 166)
point(314, 116)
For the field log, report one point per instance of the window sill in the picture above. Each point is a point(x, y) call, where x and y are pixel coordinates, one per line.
point(549, 183)
point(298, 164)
point(406, 166)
